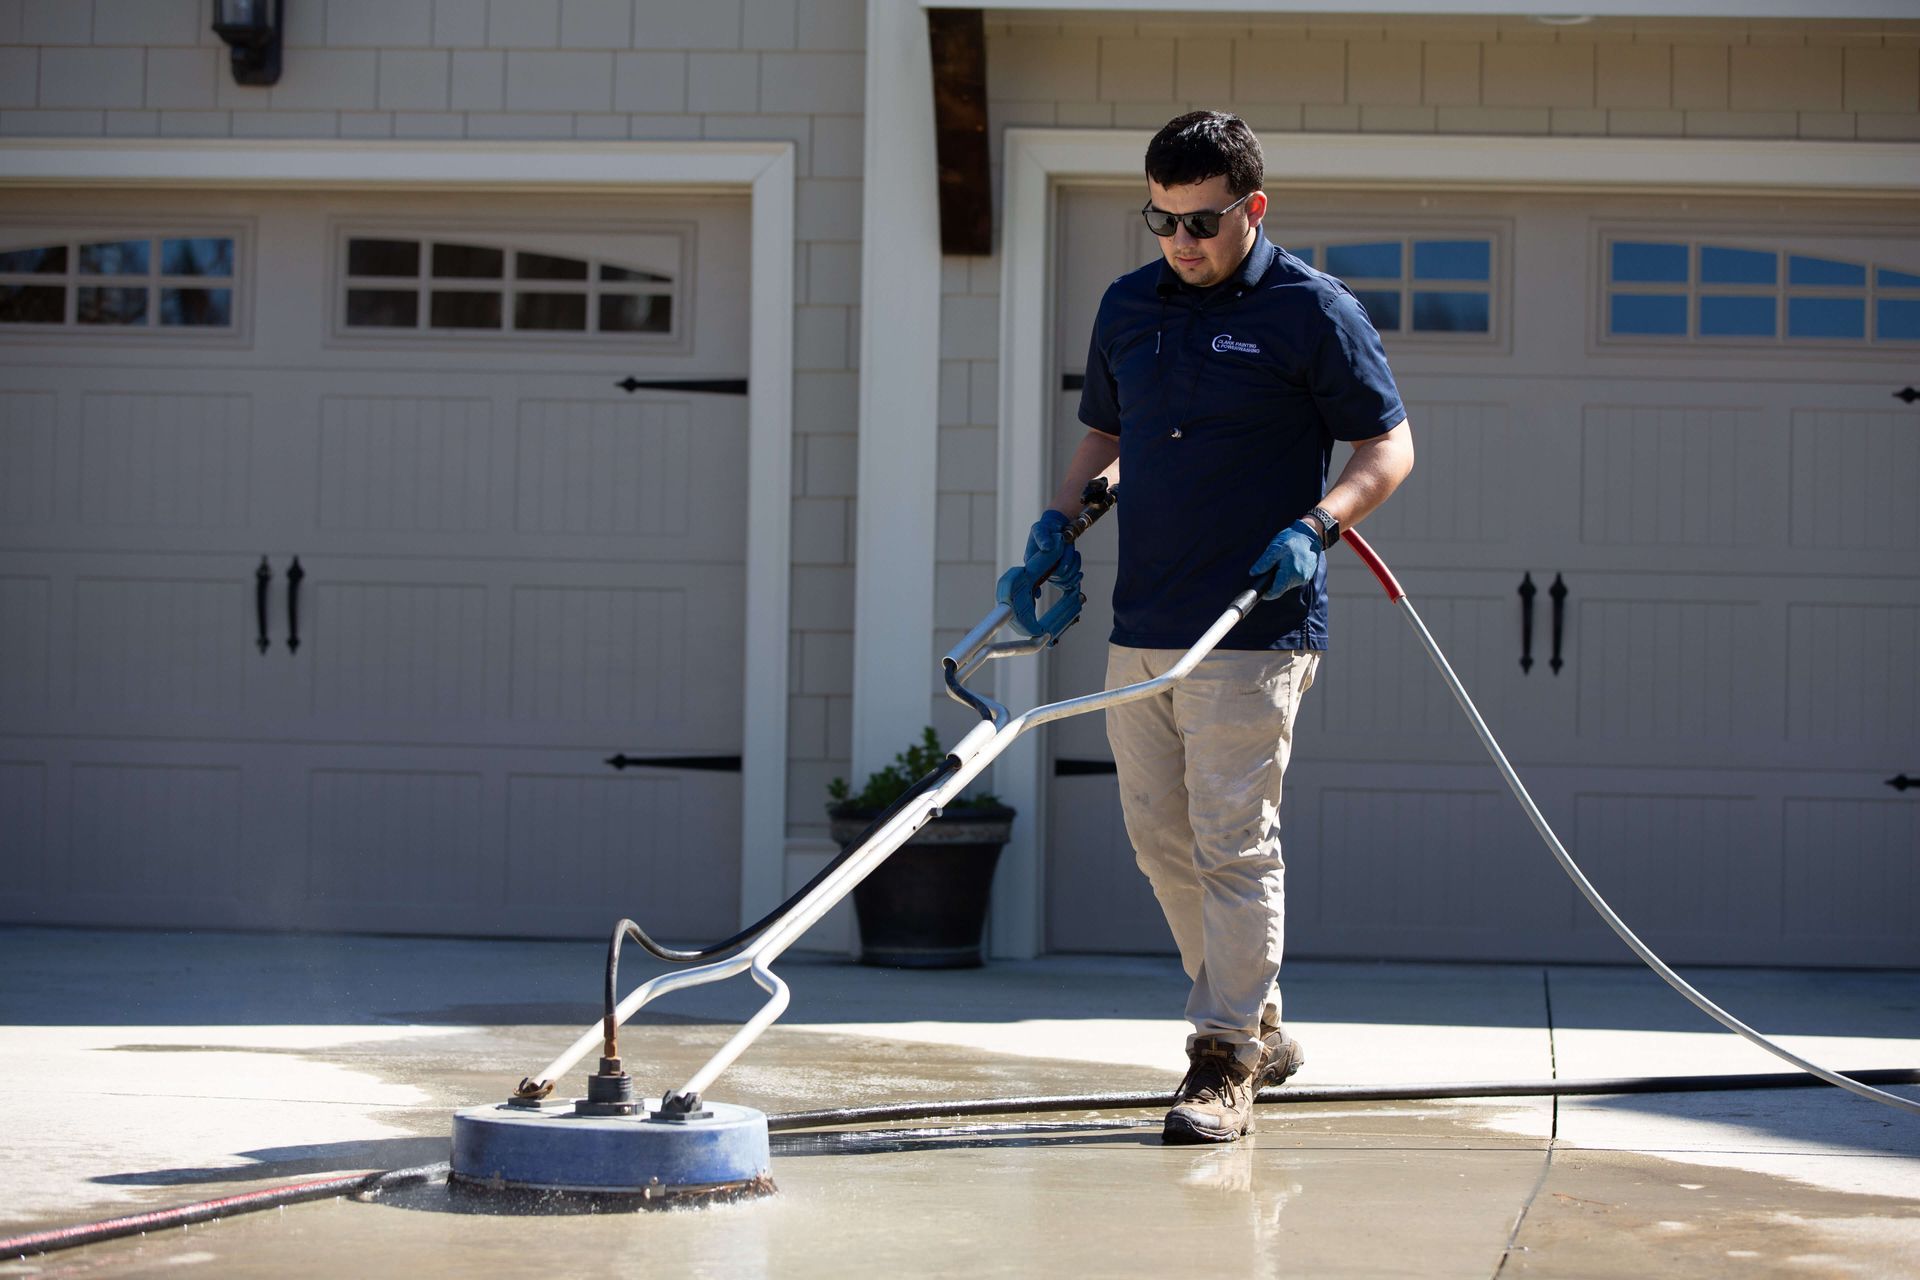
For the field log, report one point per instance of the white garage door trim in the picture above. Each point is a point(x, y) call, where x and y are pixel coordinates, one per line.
point(1037, 158)
point(765, 170)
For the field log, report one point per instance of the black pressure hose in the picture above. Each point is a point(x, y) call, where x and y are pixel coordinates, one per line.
point(368, 1185)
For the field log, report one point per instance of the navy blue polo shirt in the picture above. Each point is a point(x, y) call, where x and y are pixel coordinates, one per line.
point(1227, 402)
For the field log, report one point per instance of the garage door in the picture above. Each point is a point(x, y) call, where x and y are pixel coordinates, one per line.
point(344, 541)
point(1676, 435)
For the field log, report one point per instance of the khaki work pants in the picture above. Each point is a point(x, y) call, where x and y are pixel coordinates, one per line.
point(1200, 767)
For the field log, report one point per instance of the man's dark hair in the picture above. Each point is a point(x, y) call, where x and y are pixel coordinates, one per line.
point(1205, 144)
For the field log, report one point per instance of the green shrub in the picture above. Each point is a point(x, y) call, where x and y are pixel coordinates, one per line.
point(884, 786)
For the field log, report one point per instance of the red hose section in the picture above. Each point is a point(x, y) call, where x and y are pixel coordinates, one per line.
point(1389, 583)
point(182, 1215)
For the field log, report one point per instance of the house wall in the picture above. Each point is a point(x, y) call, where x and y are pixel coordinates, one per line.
point(1443, 75)
point(544, 69)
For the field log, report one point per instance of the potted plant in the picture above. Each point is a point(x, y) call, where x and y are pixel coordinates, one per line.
point(925, 907)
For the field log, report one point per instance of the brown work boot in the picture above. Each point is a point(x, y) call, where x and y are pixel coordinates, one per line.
point(1216, 1098)
point(1280, 1056)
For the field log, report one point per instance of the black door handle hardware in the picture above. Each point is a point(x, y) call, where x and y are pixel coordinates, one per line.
point(705, 764)
point(1527, 592)
point(1084, 768)
point(1900, 782)
point(262, 582)
point(1559, 593)
point(1908, 394)
point(295, 574)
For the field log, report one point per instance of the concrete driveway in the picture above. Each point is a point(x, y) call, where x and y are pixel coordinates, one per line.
point(153, 1069)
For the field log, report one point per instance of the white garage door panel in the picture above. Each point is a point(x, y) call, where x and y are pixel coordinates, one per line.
point(175, 460)
point(513, 567)
point(1687, 871)
point(23, 826)
point(1734, 523)
point(1678, 476)
point(27, 442)
point(400, 840)
point(1112, 907)
point(1850, 873)
point(26, 620)
point(405, 464)
point(1853, 474)
point(582, 849)
point(1853, 679)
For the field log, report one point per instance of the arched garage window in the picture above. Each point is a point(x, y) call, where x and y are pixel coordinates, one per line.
point(125, 284)
point(1677, 291)
point(472, 289)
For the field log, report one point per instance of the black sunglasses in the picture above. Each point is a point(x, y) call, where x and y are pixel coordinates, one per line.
point(1203, 225)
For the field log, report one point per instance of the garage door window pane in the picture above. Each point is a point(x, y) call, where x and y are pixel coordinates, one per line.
point(1897, 320)
point(468, 262)
point(383, 308)
point(1645, 262)
point(113, 306)
point(1648, 315)
point(196, 307)
point(200, 256)
point(1826, 318)
point(1305, 255)
point(635, 313)
point(466, 310)
point(545, 266)
point(1451, 260)
point(383, 257)
point(32, 304)
point(115, 258)
point(1738, 266)
point(48, 261)
point(614, 274)
point(1825, 271)
point(1364, 261)
point(1887, 278)
point(1382, 306)
point(563, 312)
point(1737, 317)
point(1453, 311)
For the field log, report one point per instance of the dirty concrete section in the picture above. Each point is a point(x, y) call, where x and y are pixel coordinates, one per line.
point(206, 1064)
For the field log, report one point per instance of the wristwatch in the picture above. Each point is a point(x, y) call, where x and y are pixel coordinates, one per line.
point(1327, 523)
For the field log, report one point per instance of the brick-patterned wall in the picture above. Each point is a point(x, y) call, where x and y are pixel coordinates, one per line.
point(531, 69)
point(1627, 78)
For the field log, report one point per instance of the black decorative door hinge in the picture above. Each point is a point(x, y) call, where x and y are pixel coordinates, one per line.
point(707, 386)
point(705, 764)
point(1908, 394)
point(1900, 782)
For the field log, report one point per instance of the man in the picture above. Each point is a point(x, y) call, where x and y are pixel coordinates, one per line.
point(1217, 382)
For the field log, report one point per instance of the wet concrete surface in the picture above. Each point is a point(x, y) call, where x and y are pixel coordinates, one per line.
point(195, 1066)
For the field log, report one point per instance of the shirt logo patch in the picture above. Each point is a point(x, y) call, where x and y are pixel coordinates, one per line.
point(1225, 342)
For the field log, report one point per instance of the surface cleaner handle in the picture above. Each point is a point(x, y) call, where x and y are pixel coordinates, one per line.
point(1020, 586)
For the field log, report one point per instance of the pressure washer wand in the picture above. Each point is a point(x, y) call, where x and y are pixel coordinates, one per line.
point(1398, 595)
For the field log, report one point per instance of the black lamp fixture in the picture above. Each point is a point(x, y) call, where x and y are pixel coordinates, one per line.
point(251, 29)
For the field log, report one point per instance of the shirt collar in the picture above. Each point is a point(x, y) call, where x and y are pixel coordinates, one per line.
point(1247, 276)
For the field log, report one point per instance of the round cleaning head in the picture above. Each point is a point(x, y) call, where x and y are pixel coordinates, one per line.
point(719, 1153)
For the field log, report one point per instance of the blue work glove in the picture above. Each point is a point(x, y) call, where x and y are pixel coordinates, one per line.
point(1293, 556)
point(1045, 538)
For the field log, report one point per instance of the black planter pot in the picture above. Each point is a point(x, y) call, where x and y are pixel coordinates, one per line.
point(925, 907)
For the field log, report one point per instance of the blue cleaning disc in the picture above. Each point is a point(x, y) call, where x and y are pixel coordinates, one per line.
point(549, 1148)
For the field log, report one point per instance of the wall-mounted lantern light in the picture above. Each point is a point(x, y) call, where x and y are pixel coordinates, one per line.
point(251, 29)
